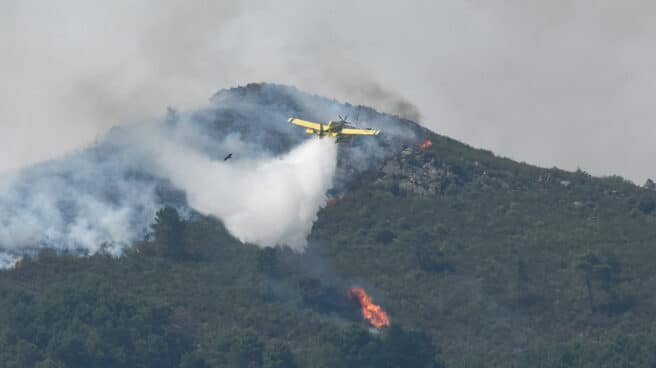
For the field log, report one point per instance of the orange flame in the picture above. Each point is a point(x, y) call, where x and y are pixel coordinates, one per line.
point(333, 200)
point(425, 144)
point(370, 311)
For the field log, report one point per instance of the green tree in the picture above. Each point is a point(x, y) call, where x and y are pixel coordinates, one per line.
point(355, 347)
point(49, 363)
point(385, 236)
point(26, 354)
point(168, 230)
point(193, 360)
point(242, 349)
point(267, 261)
point(278, 355)
point(602, 270)
point(408, 349)
point(587, 263)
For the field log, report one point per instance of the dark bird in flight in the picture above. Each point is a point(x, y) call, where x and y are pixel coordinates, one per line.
point(229, 156)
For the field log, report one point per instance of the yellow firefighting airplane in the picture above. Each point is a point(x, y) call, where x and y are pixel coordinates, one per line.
point(335, 128)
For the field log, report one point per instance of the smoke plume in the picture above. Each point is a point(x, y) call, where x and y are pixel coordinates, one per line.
point(565, 83)
point(104, 197)
point(270, 200)
point(88, 200)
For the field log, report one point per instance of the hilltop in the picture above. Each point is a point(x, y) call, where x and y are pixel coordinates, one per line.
point(479, 260)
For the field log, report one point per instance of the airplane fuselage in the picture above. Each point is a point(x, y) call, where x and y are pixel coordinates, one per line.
point(335, 126)
point(332, 129)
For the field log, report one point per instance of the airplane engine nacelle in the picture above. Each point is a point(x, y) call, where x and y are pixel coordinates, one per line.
point(309, 131)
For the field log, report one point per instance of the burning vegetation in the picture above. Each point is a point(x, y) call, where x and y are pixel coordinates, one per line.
point(334, 200)
point(425, 144)
point(373, 313)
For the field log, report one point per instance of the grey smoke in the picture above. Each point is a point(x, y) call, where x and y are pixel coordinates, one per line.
point(72, 70)
point(8, 260)
point(83, 202)
point(565, 83)
point(103, 197)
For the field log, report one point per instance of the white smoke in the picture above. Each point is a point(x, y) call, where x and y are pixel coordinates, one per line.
point(105, 197)
point(84, 202)
point(268, 201)
point(8, 260)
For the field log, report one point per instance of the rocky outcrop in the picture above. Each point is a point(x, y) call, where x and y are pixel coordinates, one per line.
point(414, 171)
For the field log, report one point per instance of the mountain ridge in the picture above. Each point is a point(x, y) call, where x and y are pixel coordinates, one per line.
point(479, 261)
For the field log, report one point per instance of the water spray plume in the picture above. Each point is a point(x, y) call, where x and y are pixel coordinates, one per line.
point(370, 311)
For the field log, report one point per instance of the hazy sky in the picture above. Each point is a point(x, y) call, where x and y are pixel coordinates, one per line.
point(554, 83)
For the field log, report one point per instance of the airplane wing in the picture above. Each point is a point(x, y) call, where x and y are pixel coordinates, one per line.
point(306, 124)
point(360, 131)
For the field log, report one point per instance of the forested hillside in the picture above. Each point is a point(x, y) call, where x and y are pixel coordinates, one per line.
point(479, 261)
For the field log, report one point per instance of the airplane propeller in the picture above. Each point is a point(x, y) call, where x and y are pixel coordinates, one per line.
point(345, 117)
